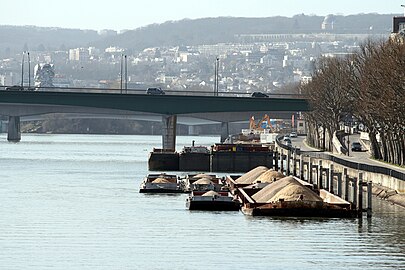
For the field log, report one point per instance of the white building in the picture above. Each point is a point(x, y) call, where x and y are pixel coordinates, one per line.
point(6, 79)
point(79, 54)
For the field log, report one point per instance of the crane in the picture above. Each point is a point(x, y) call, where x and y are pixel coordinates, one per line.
point(264, 123)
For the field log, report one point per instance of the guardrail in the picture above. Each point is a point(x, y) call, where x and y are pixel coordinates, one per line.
point(143, 91)
point(344, 162)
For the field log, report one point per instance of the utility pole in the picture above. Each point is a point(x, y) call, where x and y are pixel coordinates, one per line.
point(126, 75)
point(121, 62)
point(216, 76)
point(22, 69)
point(29, 71)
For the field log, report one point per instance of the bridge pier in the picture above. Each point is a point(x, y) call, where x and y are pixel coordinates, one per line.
point(192, 130)
point(169, 132)
point(224, 131)
point(14, 131)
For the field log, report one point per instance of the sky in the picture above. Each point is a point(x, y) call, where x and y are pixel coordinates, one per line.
point(131, 14)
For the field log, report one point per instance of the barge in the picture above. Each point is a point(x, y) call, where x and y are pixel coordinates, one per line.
point(161, 183)
point(212, 201)
point(203, 182)
point(291, 197)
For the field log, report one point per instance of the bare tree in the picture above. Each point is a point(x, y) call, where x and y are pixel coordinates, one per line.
point(369, 85)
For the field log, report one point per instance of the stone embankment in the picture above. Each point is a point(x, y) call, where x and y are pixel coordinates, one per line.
point(389, 195)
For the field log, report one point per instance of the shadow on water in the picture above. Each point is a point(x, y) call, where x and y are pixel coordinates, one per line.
point(298, 220)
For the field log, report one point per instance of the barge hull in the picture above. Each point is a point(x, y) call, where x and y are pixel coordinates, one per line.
point(213, 206)
point(160, 190)
point(300, 212)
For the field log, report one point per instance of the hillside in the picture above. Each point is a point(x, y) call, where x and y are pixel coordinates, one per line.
point(14, 39)
point(184, 32)
point(224, 29)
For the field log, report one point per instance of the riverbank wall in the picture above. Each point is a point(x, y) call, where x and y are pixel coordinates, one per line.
point(388, 184)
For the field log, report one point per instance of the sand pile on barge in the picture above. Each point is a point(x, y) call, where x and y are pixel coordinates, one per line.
point(287, 189)
point(293, 192)
point(210, 193)
point(269, 176)
point(252, 175)
point(203, 181)
point(203, 175)
point(161, 180)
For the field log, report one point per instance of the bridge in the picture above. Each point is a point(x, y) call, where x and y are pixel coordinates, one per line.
point(171, 108)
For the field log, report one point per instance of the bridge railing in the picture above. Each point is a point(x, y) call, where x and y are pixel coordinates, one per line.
point(347, 163)
point(133, 91)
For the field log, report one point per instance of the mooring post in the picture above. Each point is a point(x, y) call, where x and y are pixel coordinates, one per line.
point(369, 198)
point(302, 167)
point(320, 175)
point(346, 180)
point(330, 178)
point(310, 171)
point(293, 161)
point(360, 194)
point(355, 192)
point(326, 182)
point(339, 184)
point(281, 160)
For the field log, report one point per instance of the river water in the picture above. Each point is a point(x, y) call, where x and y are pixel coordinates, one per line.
point(72, 202)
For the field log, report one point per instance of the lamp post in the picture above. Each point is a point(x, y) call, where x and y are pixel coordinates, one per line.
point(29, 71)
point(216, 81)
point(215, 78)
point(22, 70)
point(126, 75)
point(121, 64)
point(217, 75)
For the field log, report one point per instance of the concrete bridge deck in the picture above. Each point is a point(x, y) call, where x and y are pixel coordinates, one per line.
point(220, 109)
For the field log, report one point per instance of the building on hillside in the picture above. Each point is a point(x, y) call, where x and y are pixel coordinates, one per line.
point(6, 79)
point(328, 23)
point(79, 54)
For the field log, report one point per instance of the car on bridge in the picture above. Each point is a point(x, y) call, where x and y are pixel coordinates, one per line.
point(15, 88)
point(259, 94)
point(155, 91)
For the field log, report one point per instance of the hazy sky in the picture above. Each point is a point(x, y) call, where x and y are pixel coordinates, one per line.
point(130, 14)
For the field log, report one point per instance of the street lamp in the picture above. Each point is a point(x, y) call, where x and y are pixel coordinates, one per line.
point(126, 75)
point(22, 70)
point(216, 80)
point(121, 63)
point(29, 71)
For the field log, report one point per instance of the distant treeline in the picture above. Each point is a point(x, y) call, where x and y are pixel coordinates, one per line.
point(184, 32)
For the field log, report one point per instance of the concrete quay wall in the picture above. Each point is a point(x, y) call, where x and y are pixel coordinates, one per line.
point(385, 185)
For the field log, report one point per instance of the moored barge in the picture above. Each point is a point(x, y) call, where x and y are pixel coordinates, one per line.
point(212, 201)
point(161, 183)
point(203, 182)
point(290, 197)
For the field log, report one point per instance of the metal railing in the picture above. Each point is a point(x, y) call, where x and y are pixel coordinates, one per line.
point(347, 163)
point(143, 91)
